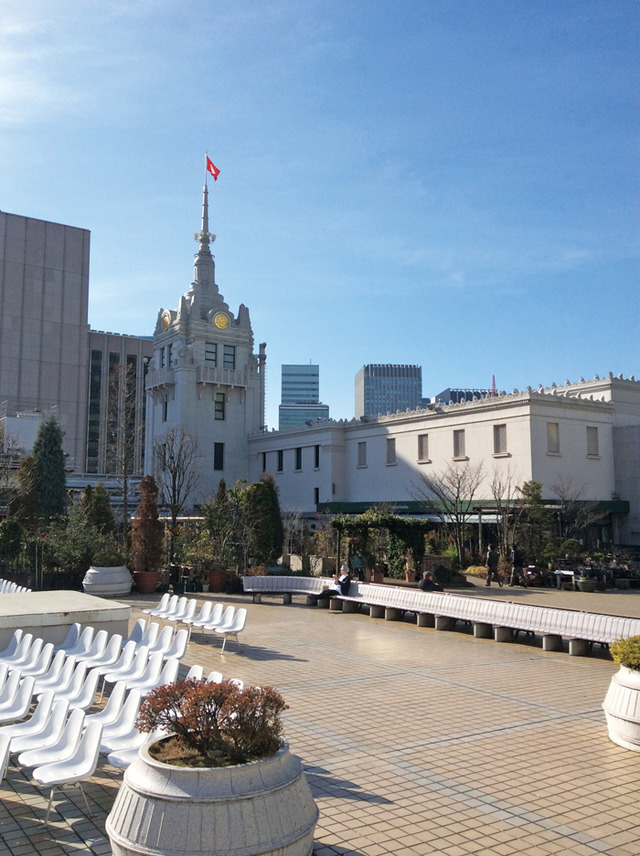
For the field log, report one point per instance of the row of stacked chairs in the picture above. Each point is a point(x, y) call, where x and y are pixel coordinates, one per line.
point(59, 740)
point(225, 621)
point(7, 587)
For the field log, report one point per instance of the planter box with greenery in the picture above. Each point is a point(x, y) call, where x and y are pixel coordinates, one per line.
point(204, 788)
point(622, 702)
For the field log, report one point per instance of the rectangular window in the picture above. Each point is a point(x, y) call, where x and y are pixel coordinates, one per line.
point(218, 456)
point(229, 357)
point(211, 354)
point(168, 356)
point(280, 460)
point(499, 439)
point(316, 495)
point(219, 406)
point(423, 447)
point(553, 438)
point(264, 462)
point(391, 450)
point(298, 458)
point(593, 449)
point(165, 409)
point(458, 444)
point(162, 358)
point(316, 457)
point(362, 454)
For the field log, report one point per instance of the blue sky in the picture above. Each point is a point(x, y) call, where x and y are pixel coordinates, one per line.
point(451, 183)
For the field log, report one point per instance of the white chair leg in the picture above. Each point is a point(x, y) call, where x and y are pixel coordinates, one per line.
point(46, 817)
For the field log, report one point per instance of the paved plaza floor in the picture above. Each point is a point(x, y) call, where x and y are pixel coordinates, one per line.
point(415, 741)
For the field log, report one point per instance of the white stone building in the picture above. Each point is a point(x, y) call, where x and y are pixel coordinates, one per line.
point(585, 435)
point(204, 377)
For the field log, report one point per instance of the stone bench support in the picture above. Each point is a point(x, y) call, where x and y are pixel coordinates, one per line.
point(444, 622)
point(425, 619)
point(579, 647)
point(503, 634)
point(376, 611)
point(482, 631)
point(552, 642)
point(393, 614)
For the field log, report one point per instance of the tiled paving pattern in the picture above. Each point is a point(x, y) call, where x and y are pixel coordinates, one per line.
point(415, 741)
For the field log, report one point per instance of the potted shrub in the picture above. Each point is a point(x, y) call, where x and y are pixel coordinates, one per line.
point(222, 765)
point(622, 702)
point(108, 575)
point(147, 535)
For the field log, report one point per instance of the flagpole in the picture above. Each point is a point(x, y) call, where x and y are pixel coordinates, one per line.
point(206, 155)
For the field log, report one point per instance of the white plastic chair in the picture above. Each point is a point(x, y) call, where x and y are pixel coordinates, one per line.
point(4, 754)
point(83, 698)
point(237, 682)
point(97, 647)
point(83, 644)
point(133, 672)
point(64, 746)
point(225, 618)
point(164, 602)
point(56, 679)
point(168, 675)
point(39, 665)
point(10, 650)
point(203, 615)
point(71, 639)
point(150, 634)
point(111, 710)
point(176, 609)
point(36, 723)
point(21, 704)
point(151, 672)
point(10, 689)
point(124, 660)
point(123, 724)
point(170, 607)
point(109, 656)
point(178, 647)
point(214, 677)
point(187, 610)
point(73, 686)
point(232, 629)
point(21, 652)
point(81, 765)
point(29, 656)
point(136, 632)
point(49, 735)
point(195, 673)
point(214, 617)
point(163, 642)
point(4, 672)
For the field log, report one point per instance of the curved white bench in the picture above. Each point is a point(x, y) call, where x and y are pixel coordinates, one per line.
point(284, 586)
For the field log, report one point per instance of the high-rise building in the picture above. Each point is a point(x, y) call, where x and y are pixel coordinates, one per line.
point(387, 388)
point(300, 396)
point(204, 377)
point(44, 293)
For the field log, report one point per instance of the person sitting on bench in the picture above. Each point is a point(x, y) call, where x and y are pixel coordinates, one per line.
point(339, 586)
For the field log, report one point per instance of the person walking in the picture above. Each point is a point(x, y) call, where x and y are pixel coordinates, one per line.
point(492, 566)
point(518, 576)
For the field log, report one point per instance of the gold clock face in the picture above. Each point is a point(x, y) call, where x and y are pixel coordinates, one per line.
point(221, 321)
point(165, 322)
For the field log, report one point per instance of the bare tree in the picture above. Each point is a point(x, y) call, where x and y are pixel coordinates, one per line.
point(504, 491)
point(175, 472)
point(575, 513)
point(450, 495)
point(11, 453)
point(123, 433)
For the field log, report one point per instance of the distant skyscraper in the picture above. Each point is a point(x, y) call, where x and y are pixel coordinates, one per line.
point(458, 395)
point(387, 388)
point(300, 398)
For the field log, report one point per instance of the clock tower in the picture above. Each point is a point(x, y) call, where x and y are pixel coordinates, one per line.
point(204, 377)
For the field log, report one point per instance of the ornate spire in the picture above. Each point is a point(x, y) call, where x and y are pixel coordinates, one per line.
point(204, 270)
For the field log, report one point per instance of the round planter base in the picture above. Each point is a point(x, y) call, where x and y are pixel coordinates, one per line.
point(264, 807)
point(622, 709)
point(107, 581)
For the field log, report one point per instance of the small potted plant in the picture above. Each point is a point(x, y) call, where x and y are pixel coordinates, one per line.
point(222, 763)
point(622, 702)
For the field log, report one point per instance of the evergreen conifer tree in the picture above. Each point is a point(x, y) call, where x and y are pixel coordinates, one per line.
point(50, 475)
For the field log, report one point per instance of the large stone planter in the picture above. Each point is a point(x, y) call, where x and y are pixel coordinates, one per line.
point(107, 581)
point(622, 709)
point(264, 807)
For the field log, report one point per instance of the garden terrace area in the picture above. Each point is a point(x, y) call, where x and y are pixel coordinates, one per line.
point(414, 741)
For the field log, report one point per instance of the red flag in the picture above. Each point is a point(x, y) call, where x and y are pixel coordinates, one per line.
point(212, 168)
